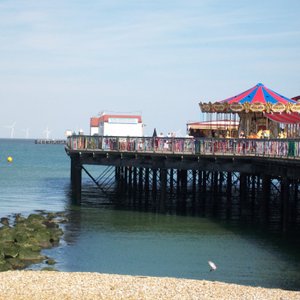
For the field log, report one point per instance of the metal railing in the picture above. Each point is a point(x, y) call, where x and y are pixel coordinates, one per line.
point(277, 148)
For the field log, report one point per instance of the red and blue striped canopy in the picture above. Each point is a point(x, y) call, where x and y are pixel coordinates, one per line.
point(259, 94)
point(258, 99)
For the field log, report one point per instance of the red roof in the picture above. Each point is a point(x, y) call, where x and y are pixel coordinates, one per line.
point(94, 122)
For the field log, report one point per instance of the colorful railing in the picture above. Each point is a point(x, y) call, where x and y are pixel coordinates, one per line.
point(280, 148)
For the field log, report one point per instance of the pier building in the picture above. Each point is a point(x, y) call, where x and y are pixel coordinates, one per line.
point(116, 125)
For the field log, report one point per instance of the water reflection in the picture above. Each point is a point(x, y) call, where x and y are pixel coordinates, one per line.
point(122, 239)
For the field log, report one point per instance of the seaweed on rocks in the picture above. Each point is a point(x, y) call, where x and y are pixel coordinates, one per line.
point(21, 244)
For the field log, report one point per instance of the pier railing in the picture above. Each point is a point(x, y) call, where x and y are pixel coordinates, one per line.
point(277, 148)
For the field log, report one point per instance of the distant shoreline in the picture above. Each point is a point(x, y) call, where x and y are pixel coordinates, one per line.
point(75, 285)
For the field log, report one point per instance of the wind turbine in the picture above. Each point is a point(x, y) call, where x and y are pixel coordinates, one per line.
point(12, 129)
point(26, 130)
point(47, 132)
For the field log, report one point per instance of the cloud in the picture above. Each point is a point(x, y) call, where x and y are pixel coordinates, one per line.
point(137, 54)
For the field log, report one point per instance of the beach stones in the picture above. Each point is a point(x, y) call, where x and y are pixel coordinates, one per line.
point(21, 244)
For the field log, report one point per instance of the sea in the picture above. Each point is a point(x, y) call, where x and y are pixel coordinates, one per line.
point(104, 238)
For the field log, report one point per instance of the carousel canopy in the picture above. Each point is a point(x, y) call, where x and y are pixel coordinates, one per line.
point(258, 99)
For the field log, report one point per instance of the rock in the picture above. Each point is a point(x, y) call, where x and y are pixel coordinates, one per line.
point(16, 263)
point(7, 234)
point(26, 254)
point(50, 224)
point(50, 261)
point(19, 218)
point(4, 221)
point(21, 245)
point(5, 266)
point(10, 250)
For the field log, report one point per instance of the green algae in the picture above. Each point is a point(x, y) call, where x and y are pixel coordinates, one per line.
point(22, 243)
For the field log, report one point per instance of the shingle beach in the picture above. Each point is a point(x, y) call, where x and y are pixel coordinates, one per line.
point(63, 285)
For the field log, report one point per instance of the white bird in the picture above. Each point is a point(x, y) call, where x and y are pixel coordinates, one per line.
point(212, 265)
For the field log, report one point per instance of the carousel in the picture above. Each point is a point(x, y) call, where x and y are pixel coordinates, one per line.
point(259, 111)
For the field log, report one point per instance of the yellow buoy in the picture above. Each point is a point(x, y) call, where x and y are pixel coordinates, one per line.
point(9, 159)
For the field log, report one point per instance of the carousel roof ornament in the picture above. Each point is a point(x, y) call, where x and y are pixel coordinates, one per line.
point(256, 99)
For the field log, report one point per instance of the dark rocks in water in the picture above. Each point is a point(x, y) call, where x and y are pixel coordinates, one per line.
point(10, 250)
point(4, 221)
point(6, 234)
point(27, 255)
point(21, 245)
point(16, 263)
point(50, 261)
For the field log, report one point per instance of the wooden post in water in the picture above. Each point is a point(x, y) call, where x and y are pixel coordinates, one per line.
point(141, 181)
point(228, 195)
point(194, 174)
point(163, 184)
point(125, 181)
point(146, 188)
point(171, 181)
point(243, 195)
point(293, 209)
point(214, 193)
point(265, 199)
point(154, 183)
point(204, 191)
point(284, 203)
point(146, 181)
point(178, 183)
point(130, 179)
point(134, 189)
point(253, 195)
point(76, 176)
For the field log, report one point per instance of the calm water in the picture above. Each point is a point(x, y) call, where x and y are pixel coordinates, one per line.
point(104, 239)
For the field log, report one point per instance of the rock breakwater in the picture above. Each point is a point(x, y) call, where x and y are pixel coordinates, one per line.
point(22, 242)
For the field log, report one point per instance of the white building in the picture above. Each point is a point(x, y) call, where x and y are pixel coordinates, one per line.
point(117, 125)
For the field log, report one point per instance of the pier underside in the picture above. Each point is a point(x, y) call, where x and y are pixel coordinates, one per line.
point(247, 189)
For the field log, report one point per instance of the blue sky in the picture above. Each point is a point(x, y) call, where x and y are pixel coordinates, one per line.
point(63, 61)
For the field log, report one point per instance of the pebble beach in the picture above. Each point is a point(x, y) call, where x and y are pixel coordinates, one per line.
point(66, 285)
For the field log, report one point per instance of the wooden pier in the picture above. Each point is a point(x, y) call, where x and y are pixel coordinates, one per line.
point(254, 180)
point(50, 141)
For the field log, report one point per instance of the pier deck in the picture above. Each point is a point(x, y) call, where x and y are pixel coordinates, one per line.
point(260, 175)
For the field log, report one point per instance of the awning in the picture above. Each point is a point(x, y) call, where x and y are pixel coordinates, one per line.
point(285, 118)
point(215, 125)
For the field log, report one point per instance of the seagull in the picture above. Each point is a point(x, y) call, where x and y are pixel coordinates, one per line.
point(212, 265)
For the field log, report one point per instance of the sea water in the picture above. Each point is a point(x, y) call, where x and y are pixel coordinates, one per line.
point(102, 238)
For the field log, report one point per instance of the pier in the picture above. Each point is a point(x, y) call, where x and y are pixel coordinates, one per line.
point(50, 141)
point(249, 179)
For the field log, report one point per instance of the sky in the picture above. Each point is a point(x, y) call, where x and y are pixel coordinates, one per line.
point(64, 61)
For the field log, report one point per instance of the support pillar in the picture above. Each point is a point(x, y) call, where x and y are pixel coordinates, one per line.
point(171, 181)
point(243, 195)
point(284, 203)
point(154, 183)
point(76, 176)
point(163, 184)
point(265, 199)
point(229, 195)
